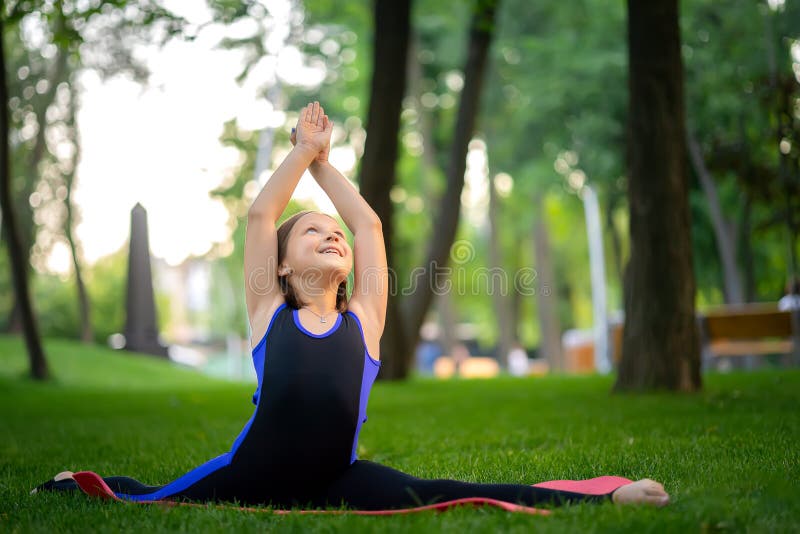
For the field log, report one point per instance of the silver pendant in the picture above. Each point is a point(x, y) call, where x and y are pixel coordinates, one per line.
point(323, 319)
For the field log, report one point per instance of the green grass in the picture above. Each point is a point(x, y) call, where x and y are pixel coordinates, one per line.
point(729, 456)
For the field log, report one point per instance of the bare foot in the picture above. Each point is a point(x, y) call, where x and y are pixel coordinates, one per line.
point(643, 491)
point(51, 484)
point(63, 475)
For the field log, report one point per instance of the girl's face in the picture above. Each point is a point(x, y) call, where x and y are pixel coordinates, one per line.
point(317, 247)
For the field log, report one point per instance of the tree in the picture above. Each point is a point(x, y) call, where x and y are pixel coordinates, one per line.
point(482, 29)
point(377, 173)
point(660, 345)
point(38, 362)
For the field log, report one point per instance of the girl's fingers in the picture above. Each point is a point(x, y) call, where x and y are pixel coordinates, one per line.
point(315, 113)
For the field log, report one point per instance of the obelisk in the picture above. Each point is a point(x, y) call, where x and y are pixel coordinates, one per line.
point(141, 332)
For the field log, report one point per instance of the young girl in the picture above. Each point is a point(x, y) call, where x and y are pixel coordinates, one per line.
point(316, 355)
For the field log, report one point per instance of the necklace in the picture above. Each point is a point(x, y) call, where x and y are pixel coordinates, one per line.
point(322, 318)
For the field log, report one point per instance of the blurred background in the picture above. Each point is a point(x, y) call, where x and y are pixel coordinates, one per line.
point(186, 108)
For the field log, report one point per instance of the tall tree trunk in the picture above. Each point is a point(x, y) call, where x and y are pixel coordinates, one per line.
point(447, 322)
point(516, 295)
point(19, 274)
point(87, 335)
point(424, 118)
point(502, 302)
point(724, 232)
point(616, 240)
point(546, 293)
point(746, 247)
point(377, 174)
point(26, 226)
point(446, 222)
point(446, 315)
point(660, 347)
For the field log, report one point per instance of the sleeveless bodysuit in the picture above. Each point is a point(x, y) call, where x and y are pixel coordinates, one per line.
point(311, 401)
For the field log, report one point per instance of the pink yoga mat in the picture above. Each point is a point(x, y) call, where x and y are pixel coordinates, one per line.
point(93, 484)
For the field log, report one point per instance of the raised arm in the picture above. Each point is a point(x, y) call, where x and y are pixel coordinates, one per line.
point(261, 241)
point(370, 280)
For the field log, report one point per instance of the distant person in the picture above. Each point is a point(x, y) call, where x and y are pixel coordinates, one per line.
point(791, 300)
point(428, 349)
point(426, 354)
point(316, 355)
point(518, 360)
point(459, 353)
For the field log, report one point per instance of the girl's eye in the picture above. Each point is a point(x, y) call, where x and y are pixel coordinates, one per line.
point(311, 230)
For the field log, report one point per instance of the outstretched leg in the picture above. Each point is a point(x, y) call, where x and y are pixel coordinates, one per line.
point(370, 486)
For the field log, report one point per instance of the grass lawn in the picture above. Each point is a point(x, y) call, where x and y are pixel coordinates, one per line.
point(729, 456)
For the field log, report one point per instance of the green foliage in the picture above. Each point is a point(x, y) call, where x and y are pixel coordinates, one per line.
point(55, 300)
point(106, 284)
point(727, 456)
point(734, 71)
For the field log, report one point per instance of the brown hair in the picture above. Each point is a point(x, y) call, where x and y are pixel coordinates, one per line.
point(292, 300)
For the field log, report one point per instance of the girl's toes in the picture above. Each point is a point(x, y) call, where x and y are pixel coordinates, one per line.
point(662, 500)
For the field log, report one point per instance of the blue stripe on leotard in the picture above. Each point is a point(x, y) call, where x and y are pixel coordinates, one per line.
point(222, 460)
point(371, 368)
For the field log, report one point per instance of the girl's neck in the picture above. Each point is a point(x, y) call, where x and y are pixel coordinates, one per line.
point(320, 303)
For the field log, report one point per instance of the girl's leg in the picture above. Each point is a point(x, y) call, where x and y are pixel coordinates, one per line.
point(129, 486)
point(370, 486)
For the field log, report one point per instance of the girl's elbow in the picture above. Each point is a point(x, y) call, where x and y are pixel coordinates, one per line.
point(255, 214)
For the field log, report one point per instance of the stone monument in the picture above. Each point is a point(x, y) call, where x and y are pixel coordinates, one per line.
point(141, 332)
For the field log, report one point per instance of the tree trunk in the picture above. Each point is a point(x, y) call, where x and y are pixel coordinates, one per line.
point(502, 302)
point(546, 294)
point(447, 217)
point(616, 241)
point(26, 226)
point(447, 322)
point(14, 323)
point(87, 335)
point(377, 174)
point(516, 295)
point(660, 347)
point(446, 316)
point(724, 232)
point(19, 274)
point(745, 245)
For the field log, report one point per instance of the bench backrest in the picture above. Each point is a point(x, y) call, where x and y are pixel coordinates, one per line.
point(747, 322)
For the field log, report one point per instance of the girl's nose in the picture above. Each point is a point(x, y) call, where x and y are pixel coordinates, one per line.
point(333, 236)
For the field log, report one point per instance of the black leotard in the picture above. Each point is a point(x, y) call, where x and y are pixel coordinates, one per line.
point(299, 447)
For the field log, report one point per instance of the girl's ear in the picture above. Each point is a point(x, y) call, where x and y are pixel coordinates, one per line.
point(284, 270)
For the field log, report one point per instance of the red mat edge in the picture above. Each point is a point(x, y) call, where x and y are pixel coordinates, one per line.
point(93, 485)
point(593, 486)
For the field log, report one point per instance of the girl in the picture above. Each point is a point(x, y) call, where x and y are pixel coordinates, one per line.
point(316, 355)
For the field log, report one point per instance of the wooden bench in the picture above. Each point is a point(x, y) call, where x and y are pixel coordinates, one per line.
point(736, 330)
point(746, 330)
point(472, 367)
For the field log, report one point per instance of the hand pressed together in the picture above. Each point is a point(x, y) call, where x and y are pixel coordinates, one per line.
point(313, 131)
